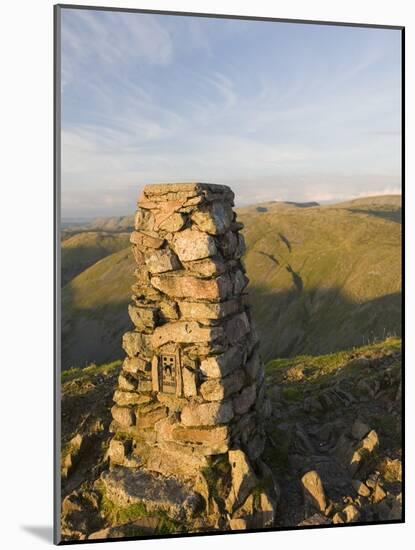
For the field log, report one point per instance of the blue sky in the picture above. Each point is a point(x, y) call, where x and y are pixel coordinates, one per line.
point(278, 111)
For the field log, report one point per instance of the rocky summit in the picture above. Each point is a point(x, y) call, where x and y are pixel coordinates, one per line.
point(189, 432)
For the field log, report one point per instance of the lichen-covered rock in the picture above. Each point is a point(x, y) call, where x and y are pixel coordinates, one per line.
point(185, 332)
point(206, 310)
point(244, 479)
point(207, 414)
point(314, 490)
point(191, 244)
point(162, 260)
point(214, 219)
point(146, 240)
point(193, 288)
point(222, 365)
point(123, 415)
point(218, 389)
point(245, 399)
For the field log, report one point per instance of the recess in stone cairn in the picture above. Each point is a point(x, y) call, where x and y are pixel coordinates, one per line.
point(190, 401)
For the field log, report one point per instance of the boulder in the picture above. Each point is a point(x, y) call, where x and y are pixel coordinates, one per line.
point(244, 479)
point(360, 488)
point(360, 429)
point(126, 486)
point(207, 414)
point(378, 494)
point(191, 244)
point(363, 451)
point(351, 513)
point(313, 490)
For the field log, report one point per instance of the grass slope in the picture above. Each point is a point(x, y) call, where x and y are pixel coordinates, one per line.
point(322, 279)
point(82, 250)
point(94, 311)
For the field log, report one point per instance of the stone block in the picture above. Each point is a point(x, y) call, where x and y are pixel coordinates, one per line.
point(237, 327)
point(207, 414)
point(185, 332)
point(146, 240)
point(208, 267)
point(126, 382)
point(126, 398)
point(244, 400)
point(217, 389)
point(173, 462)
point(161, 261)
point(148, 416)
point(214, 218)
point(144, 318)
point(207, 440)
point(191, 244)
point(123, 415)
point(133, 365)
point(185, 286)
point(135, 343)
point(222, 365)
point(206, 310)
point(240, 280)
point(189, 382)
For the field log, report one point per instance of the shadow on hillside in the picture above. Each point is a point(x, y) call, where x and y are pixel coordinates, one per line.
point(319, 321)
point(92, 335)
point(391, 215)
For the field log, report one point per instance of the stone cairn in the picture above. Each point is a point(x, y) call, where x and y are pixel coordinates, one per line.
point(190, 401)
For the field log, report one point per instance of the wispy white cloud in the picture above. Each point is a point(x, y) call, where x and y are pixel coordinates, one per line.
point(155, 98)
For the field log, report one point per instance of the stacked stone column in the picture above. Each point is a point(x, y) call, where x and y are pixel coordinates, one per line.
point(192, 385)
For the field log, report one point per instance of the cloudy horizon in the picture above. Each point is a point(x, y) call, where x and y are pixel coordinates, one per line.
point(278, 111)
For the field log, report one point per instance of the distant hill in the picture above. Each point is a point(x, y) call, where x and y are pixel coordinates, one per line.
point(322, 279)
point(114, 224)
point(82, 250)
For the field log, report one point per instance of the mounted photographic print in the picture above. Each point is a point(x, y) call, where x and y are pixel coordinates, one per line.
point(228, 274)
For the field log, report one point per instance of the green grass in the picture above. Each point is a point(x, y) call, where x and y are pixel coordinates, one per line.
point(117, 515)
point(81, 250)
point(89, 372)
point(318, 367)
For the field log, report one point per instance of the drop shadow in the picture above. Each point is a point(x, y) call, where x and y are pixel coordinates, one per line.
point(42, 532)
